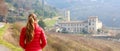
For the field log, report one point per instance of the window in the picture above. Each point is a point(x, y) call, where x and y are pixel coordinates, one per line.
point(93, 28)
point(89, 28)
point(79, 24)
point(92, 20)
point(83, 24)
point(68, 28)
point(89, 23)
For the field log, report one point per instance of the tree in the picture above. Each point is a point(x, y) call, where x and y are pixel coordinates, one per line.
point(99, 30)
point(42, 24)
point(3, 10)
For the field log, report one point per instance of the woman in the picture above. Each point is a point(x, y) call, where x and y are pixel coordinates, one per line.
point(32, 37)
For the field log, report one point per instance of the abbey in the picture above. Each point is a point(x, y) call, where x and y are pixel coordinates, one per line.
point(90, 25)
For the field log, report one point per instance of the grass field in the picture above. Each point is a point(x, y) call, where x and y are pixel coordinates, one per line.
point(49, 23)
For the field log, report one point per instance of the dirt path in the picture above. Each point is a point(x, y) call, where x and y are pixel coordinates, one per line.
point(1, 24)
point(3, 48)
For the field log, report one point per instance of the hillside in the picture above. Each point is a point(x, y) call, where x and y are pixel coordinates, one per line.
point(19, 9)
point(3, 10)
point(76, 42)
point(61, 42)
point(81, 9)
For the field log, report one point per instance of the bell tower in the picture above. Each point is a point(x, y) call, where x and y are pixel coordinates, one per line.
point(92, 24)
point(67, 15)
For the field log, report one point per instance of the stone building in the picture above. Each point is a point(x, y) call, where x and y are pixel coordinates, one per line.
point(91, 25)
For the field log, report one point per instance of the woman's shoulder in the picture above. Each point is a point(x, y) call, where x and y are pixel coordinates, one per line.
point(39, 27)
point(23, 28)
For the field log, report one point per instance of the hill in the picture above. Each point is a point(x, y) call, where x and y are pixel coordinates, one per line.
point(81, 9)
point(19, 9)
point(61, 42)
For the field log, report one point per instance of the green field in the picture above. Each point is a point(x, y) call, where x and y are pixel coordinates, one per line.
point(50, 23)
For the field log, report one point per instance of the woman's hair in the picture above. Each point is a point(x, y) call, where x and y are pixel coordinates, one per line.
point(30, 27)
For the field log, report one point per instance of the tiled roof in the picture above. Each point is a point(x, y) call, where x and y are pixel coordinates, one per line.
point(66, 22)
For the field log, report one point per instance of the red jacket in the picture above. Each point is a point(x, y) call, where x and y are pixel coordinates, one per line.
point(38, 42)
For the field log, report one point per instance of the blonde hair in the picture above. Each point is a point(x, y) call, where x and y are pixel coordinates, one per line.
point(30, 27)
